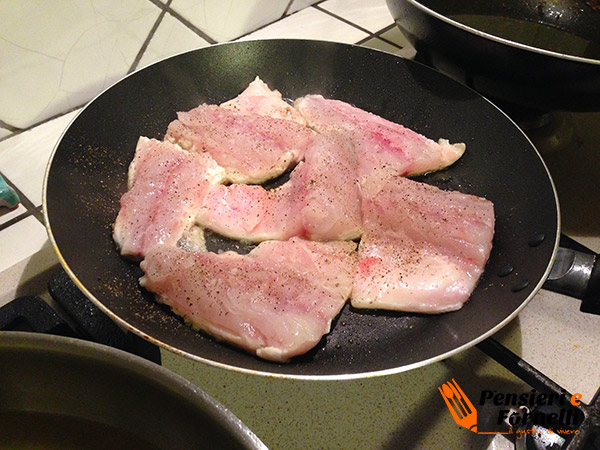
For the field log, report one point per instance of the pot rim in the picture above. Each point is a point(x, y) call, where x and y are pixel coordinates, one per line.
point(119, 359)
point(500, 40)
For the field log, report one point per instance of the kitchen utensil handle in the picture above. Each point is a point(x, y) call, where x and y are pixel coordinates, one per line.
point(576, 272)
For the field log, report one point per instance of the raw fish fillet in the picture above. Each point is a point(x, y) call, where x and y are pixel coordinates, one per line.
point(166, 187)
point(257, 98)
point(331, 207)
point(379, 142)
point(253, 214)
point(321, 200)
point(423, 249)
point(250, 147)
point(277, 301)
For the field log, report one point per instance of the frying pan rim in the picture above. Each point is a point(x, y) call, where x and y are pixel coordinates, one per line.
point(501, 40)
point(242, 370)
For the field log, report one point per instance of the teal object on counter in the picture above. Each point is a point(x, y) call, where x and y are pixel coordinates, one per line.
point(8, 196)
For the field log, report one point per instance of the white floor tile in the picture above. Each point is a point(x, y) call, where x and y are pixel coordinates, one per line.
point(21, 240)
point(378, 44)
point(7, 214)
point(297, 5)
point(170, 38)
point(373, 15)
point(5, 132)
point(69, 51)
point(224, 20)
point(310, 23)
point(395, 35)
point(24, 157)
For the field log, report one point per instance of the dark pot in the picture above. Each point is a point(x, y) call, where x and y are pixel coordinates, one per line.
point(491, 46)
point(58, 392)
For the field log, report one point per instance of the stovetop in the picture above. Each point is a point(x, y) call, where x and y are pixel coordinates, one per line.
point(397, 411)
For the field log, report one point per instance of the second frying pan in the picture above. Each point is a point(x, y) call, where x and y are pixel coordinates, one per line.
point(536, 54)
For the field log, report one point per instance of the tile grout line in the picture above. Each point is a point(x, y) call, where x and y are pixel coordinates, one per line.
point(371, 35)
point(291, 2)
point(212, 41)
point(287, 8)
point(15, 220)
point(31, 209)
point(16, 131)
point(7, 126)
point(144, 46)
point(192, 27)
point(378, 35)
point(19, 131)
point(389, 41)
point(160, 4)
point(283, 16)
point(346, 21)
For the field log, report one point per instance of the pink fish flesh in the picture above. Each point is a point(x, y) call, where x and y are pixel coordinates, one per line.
point(379, 142)
point(259, 99)
point(166, 187)
point(321, 200)
point(250, 147)
point(251, 213)
point(276, 302)
point(423, 249)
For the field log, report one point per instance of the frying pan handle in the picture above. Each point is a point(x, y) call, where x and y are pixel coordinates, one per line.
point(576, 272)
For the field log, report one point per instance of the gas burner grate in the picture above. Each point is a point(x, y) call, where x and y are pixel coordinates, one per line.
point(73, 316)
point(584, 435)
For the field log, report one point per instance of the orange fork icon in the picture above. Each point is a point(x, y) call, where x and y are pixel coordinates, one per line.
point(461, 408)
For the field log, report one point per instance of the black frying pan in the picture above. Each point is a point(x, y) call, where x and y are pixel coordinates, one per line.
point(87, 176)
point(531, 53)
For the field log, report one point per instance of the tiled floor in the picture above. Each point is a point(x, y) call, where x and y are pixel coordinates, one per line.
point(79, 49)
point(311, 23)
point(46, 77)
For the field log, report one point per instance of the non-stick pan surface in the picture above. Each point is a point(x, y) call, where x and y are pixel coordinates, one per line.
point(87, 177)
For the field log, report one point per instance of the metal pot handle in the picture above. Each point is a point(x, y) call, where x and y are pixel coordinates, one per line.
point(576, 272)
